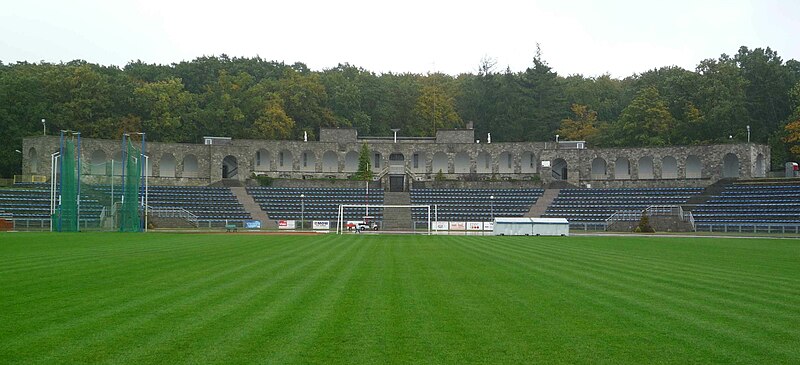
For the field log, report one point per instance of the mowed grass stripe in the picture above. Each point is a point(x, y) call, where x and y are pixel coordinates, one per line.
point(268, 329)
point(650, 301)
point(207, 323)
point(753, 294)
point(699, 303)
point(747, 296)
point(771, 283)
point(117, 306)
point(105, 298)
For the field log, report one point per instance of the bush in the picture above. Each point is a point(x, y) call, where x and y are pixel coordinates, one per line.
point(439, 176)
point(263, 180)
point(644, 225)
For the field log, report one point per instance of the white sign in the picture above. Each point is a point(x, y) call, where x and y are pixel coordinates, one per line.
point(545, 163)
point(287, 224)
point(474, 226)
point(458, 226)
point(488, 226)
point(321, 225)
point(440, 226)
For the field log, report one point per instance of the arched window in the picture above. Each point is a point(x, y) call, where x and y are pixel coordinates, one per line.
point(440, 162)
point(528, 164)
point(669, 168)
point(694, 168)
point(646, 168)
point(461, 163)
point(330, 162)
point(622, 168)
point(505, 163)
point(262, 160)
point(598, 168)
point(730, 166)
point(98, 164)
point(484, 163)
point(190, 166)
point(166, 167)
point(351, 161)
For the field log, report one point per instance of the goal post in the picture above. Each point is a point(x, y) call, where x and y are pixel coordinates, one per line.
point(340, 221)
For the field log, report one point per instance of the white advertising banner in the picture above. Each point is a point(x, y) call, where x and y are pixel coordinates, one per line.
point(458, 226)
point(474, 226)
point(321, 225)
point(440, 226)
point(488, 226)
point(287, 224)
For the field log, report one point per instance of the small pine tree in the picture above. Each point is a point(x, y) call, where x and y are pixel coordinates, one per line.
point(644, 225)
point(364, 164)
point(439, 176)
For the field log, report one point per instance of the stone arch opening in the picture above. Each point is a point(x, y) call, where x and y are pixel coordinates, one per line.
point(285, 160)
point(730, 166)
point(166, 166)
point(440, 162)
point(622, 168)
point(645, 168)
point(116, 164)
point(230, 167)
point(559, 169)
point(528, 164)
point(694, 168)
point(483, 165)
point(761, 166)
point(330, 162)
point(505, 163)
point(262, 160)
point(599, 168)
point(461, 163)
point(669, 168)
point(351, 161)
point(97, 166)
point(33, 160)
point(190, 166)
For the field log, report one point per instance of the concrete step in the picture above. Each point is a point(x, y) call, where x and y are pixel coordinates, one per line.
point(397, 218)
point(252, 207)
point(544, 201)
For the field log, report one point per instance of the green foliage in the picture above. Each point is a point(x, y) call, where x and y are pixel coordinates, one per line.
point(644, 225)
point(263, 180)
point(439, 176)
point(646, 121)
point(583, 128)
point(364, 164)
point(255, 98)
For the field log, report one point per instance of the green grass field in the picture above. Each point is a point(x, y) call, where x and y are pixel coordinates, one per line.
point(192, 298)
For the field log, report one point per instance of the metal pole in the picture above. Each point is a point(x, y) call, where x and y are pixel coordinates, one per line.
point(78, 198)
point(146, 191)
point(302, 211)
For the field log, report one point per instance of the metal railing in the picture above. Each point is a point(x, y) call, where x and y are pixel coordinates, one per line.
point(749, 227)
point(651, 211)
point(174, 213)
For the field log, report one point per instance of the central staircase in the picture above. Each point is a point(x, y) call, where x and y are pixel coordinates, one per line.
point(397, 219)
point(542, 203)
point(250, 205)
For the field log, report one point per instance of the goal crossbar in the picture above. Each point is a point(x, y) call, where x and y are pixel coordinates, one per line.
point(340, 223)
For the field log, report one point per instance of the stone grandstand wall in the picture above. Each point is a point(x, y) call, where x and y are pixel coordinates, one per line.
point(454, 152)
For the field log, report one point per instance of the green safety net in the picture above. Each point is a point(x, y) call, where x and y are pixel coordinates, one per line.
point(130, 218)
point(68, 210)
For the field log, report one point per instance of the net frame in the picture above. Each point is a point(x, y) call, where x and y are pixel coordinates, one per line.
point(342, 207)
point(68, 190)
point(134, 185)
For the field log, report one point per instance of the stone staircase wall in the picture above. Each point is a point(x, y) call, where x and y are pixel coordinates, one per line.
point(397, 218)
point(252, 207)
point(541, 205)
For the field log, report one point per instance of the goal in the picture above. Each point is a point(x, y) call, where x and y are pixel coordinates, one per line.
point(346, 210)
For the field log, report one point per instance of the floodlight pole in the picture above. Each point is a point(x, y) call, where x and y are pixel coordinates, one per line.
point(146, 186)
point(44, 127)
point(491, 198)
point(78, 210)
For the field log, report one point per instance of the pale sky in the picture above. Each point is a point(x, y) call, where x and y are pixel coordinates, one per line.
point(577, 37)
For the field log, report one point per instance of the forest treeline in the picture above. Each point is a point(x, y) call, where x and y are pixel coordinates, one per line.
point(255, 98)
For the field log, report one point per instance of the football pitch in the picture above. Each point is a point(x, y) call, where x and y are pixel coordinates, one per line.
point(116, 298)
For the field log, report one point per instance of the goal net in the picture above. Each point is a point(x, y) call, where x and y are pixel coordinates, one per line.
point(394, 217)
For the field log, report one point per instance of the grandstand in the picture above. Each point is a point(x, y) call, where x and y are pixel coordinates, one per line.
point(466, 204)
point(317, 203)
point(760, 206)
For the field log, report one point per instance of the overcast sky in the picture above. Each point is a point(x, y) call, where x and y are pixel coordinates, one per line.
point(576, 37)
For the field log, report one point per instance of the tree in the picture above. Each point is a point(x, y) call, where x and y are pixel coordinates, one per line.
point(435, 109)
point(583, 127)
point(792, 128)
point(273, 122)
point(364, 164)
point(645, 122)
point(545, 104)
point(165, 107)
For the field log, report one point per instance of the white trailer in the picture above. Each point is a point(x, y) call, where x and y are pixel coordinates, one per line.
point(531, 227)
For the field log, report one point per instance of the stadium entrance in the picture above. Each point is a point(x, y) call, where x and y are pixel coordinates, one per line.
point(397, 183)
